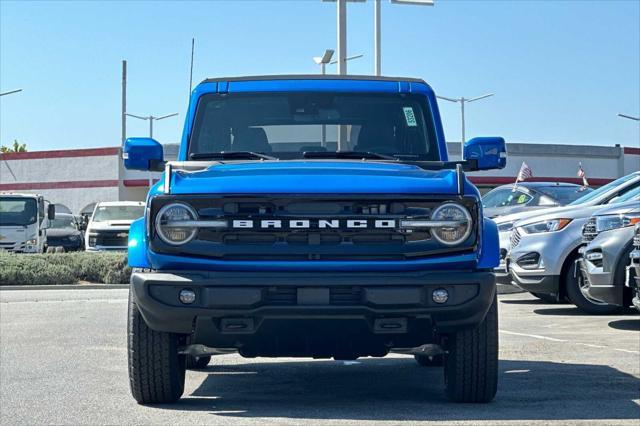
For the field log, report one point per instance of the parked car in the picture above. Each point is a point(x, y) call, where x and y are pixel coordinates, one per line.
point(277, 238)
point(544, 250)
point(602, 196)
point(108, 228)
point(633, 270)
point(607, 238)
point(66, 232)
point(527, 196)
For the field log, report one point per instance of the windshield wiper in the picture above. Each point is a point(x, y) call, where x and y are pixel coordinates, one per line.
point(231, 155)
point(347, 154)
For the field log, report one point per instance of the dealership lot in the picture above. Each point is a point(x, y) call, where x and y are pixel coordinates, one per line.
point(63, 360)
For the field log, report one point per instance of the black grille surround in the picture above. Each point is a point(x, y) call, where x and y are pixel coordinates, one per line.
point(109, 238)
point(288, 244)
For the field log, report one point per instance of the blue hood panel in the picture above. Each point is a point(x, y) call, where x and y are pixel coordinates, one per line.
point(313, 177)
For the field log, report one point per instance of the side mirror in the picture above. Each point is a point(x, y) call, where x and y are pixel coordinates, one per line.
point(485, 153)
point(51, 211)
point(143, 154)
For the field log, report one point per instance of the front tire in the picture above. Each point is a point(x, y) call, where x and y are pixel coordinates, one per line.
point(156, 370)
point(573, 283)
point(471, 364)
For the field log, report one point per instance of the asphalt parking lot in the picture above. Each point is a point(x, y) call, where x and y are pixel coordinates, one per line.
point(63, 360)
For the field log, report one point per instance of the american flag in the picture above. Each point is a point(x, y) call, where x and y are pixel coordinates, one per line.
point(583, 175)
point(524, 173)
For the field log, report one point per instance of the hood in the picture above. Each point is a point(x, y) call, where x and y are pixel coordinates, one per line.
point(61, 232)
point(492, 212)
point(575, 212)
point(313, 177)
point(527, 214)
point(116, 225)
point(622, 208)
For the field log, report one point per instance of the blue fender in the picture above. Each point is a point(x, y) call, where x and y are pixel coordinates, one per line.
point(137, 251)
point(490, 247)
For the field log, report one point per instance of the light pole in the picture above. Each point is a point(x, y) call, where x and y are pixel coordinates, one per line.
point(630, 117)
point(377, 28)
point(11, 92)
point(323, 60)
point(462, 101)
point(151, 119)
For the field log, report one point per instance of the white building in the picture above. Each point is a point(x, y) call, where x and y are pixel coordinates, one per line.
point(80, 177)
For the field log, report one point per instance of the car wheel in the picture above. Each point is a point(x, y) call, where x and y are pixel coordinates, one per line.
point(156, 370)
point(197, 362)
point(430, 360)
point(574, 281)
point(471, 364)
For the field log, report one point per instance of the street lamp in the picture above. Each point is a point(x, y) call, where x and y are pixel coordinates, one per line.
point(462, 101)
point(630, 117)
point(377, 28)
point(151, 119)
point(10, 92)
point(324, 60)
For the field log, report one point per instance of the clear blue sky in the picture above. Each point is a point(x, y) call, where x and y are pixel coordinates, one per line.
point(561, 70)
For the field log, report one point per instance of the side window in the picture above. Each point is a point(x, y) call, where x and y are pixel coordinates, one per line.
point(495, 198)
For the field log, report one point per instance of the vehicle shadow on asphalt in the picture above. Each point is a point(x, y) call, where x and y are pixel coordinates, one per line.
point(626, 324)
point(398, 389)
point(574, 311)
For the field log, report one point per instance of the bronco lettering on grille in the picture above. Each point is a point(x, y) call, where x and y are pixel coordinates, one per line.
point(315, 223)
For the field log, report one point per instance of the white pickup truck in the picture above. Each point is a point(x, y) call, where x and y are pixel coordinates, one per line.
point(108, 228)
point(22, 222)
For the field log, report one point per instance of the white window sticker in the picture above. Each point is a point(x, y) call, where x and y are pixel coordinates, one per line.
point(410, 116)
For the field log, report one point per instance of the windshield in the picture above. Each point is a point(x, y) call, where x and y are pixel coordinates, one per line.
point(62, 223)
point(603, 189)
point(564, 194)
point(18, 211)
point(286, 125)
point(105, 213)
point(633, 194)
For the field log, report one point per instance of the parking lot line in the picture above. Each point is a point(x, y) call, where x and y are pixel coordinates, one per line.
point(553, 339)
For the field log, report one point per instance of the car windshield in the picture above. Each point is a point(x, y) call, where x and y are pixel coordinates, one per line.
point(18, 211)
point(62, 223)
point(631, 195)
point(288, 125)
point(564, 194)
point(106, 213)
point(603, 189)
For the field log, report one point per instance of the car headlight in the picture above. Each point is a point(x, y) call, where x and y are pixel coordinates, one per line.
point(551, 225)
point(614, 221)
point(169, 227)
point(31, 242)
point(505, 227)
point(452, 234)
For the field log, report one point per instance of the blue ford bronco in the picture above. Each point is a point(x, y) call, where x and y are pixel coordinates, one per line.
point(313, 216)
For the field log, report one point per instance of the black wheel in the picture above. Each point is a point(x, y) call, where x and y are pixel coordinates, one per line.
point(471, 364)
point(197, 362)
point(573, 283)
point(549, 298)
point(430, 360)
point(156, 370)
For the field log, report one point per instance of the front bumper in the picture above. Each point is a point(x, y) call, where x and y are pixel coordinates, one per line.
point(236, 309)
point(633, 277)
point(598, 284)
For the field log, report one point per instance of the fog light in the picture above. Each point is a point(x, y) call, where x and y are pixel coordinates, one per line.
point(187, 296)
point(440, 295)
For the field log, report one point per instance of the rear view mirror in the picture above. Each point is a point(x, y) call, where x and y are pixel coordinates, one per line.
point(486, 153)
point(143, 154)
point(51, 211)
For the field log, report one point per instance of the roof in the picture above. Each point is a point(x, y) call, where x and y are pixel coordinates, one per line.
point(313, 77)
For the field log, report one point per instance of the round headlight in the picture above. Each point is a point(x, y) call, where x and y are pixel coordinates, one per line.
point(168, 224)
point(453, 234)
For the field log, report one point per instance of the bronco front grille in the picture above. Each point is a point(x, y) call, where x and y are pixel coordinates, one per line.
point(589, 232)
point(313, 241)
